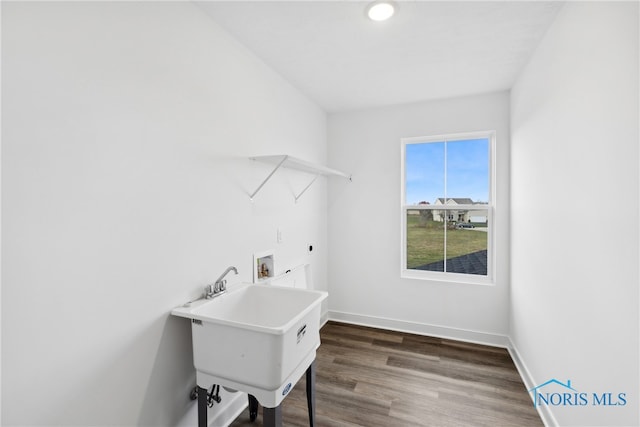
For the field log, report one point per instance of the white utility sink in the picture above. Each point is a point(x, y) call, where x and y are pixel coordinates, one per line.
point(255, 338)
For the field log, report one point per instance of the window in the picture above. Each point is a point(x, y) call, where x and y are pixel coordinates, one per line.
point(447, 210)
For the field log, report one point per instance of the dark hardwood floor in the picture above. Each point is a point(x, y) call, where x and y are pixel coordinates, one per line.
point(371, 377)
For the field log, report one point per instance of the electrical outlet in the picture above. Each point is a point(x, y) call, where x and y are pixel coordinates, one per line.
point(279, 236)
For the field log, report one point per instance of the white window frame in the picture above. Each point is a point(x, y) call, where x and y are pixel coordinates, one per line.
point(490, 208)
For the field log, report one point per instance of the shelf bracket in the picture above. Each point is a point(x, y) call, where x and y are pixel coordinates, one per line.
point(288, 162)
point(284, 158)
point(306, 188)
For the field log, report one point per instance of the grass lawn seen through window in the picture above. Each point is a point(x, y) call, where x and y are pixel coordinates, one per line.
point(426, 241)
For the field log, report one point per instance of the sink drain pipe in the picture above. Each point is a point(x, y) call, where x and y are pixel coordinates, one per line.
point(213, 396)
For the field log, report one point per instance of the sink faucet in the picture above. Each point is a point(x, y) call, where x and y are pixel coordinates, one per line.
point(219, 286)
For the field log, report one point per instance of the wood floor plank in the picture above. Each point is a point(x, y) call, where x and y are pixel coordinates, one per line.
point(481, 375)
point(369, 377)
point(432, 350)
point(345, 329)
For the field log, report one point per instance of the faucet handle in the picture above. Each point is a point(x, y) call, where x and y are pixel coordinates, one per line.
point(209, 290)
point(219, 286)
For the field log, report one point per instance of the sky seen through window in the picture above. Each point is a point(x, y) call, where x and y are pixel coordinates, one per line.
point(447, 169)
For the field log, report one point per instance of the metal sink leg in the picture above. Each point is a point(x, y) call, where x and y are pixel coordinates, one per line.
point(202, 407)
point(253, 408)
point(311, 392)
point(272, 417)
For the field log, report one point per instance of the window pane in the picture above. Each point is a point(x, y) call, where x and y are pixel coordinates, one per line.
point(467, 248)
point(424, 172)
point(451, 181)
point(425, 241)
point(468, 170)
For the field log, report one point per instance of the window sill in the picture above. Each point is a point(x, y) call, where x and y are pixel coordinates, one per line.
point(433, 276)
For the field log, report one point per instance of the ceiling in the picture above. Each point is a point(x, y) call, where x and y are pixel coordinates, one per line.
point(429, 50)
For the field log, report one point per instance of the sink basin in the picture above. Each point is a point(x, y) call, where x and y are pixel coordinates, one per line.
point(255, 338)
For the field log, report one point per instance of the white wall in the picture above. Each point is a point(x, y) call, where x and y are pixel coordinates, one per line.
point(125, 181)
point(364, 223)
point(574, 194)
point(0, 226)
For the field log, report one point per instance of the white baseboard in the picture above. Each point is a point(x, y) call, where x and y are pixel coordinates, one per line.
point(222, 414)
point(475, 337)
point(324, 318)
point(236, 403)
point(543, 410)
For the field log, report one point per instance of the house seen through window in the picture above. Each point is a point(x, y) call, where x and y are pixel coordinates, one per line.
point(447, 206)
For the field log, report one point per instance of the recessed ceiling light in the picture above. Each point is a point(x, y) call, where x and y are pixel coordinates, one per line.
point(380, 10)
